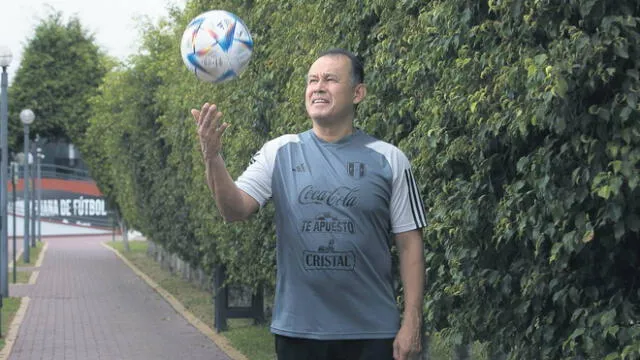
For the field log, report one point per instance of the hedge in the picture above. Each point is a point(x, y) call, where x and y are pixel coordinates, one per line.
point(521, 120)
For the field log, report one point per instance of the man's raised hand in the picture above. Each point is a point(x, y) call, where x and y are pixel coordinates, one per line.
point(210, 129)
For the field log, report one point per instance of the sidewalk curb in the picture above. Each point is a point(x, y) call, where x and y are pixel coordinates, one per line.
point(12, 333)
point(41, 257)
point(17, 257)
point(34, 275)
point(220, 341)
point(38, 261)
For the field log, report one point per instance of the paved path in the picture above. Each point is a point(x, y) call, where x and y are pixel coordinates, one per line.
point(87, 304)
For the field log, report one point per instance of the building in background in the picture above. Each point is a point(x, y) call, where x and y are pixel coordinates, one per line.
point(70, 201)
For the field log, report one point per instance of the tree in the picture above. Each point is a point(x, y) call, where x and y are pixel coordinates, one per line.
point(60, 70)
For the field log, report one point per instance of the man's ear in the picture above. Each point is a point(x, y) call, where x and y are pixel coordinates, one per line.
point(359, 93)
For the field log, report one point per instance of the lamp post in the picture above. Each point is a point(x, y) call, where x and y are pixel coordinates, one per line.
point(5, 60)
point(39, 157)
point(32, 194)
point(27, 117)
point(14, 179)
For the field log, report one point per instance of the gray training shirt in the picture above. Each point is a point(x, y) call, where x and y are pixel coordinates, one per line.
point(337, 206)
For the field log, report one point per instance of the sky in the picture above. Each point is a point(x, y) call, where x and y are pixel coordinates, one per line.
point(112, 22)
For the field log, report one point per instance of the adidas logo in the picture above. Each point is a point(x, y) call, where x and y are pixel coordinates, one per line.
point(300, 168)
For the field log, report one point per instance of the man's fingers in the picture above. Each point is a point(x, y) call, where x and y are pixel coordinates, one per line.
point(199, 114)
point(196, 116)
point(216, 120)
point(207, 120)
point(209, 125)
point(399, 353)
point(222, 128)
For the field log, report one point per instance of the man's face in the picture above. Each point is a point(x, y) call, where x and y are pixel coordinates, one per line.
point(330, 95)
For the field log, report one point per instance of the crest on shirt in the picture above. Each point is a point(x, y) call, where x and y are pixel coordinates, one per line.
point(356, 169)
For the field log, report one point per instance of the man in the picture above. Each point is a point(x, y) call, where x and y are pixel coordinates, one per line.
point(340, 197)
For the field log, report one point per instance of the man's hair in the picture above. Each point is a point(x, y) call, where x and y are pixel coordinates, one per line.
point(357, 70)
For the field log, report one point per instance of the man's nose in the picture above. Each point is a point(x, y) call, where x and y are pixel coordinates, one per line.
point(320, 87)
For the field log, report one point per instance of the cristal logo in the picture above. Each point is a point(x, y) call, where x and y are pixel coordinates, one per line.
point(327, 258)
point(342, 196)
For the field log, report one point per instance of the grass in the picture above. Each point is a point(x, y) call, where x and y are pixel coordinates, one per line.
point(22, 277)
point(34, 253)
point(10, 306)
point(254, 341)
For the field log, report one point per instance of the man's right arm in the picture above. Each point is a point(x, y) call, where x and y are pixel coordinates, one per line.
point(233, 203)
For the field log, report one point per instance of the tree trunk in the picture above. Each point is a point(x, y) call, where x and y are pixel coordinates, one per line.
point(125, 235)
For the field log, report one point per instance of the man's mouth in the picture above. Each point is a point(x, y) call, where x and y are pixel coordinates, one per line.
point(319, 101)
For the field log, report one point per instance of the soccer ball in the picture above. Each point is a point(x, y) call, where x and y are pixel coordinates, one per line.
point(216, 46)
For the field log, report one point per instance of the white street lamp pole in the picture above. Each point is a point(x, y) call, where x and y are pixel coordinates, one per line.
point(5, 60)
point(27, 117)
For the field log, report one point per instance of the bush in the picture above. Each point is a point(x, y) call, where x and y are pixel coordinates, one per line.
point(521, 120)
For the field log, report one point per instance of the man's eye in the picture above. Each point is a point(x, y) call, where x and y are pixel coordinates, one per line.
point(313, 81)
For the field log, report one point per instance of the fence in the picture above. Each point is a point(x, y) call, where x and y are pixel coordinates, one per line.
point(229, 301)
point(62, 195)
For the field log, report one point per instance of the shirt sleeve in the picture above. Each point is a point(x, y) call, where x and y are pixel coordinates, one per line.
point(256, 179)
point(407, 209)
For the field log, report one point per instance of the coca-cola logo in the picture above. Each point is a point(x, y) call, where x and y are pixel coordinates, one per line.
point(342, 196)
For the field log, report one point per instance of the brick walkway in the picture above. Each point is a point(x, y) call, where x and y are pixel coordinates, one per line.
point(88, 305)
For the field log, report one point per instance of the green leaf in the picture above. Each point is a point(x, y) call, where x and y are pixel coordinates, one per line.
point(540, 59)
point(607, 318)
point(621, 49)
point(618, 230)
point(585, 7)
point(577, 333)
point(561, 87)
point(588, 236)
point(604, 191)
point(555, 251)
point(612, 330)
point(612, 356)
point(604, 114)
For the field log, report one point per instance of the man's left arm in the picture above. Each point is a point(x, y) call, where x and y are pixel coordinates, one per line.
point(411, 254)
